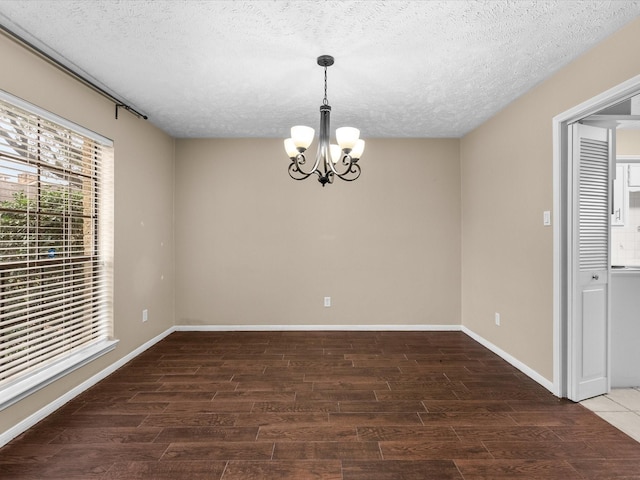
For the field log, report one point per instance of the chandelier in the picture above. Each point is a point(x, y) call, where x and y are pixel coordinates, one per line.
point(332, 160)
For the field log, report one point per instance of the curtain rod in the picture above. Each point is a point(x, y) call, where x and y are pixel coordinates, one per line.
point(45, 56)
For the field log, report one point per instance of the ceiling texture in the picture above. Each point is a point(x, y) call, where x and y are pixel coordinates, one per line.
point(221, 68)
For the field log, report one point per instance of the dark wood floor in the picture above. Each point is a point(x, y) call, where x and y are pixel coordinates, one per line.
point(320, 405)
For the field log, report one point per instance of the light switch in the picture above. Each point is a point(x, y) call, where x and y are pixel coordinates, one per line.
point(546, 218)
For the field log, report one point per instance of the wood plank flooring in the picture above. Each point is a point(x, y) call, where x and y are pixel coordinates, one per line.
point(320, 405)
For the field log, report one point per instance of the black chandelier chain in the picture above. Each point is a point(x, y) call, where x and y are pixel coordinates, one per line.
point(325, 101)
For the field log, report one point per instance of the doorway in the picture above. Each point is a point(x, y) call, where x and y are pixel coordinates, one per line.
point(566, 284)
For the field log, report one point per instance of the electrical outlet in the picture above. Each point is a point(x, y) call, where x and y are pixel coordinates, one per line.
point(327, 301)
point(497, 319)
point(145, 315)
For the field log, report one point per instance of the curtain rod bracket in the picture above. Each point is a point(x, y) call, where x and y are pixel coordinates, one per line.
point(129, 109)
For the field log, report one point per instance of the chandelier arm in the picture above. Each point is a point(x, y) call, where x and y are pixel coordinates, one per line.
point(314, 169)
point(353, 169)
point(330, 176)
point(295, 170)
point(295, 174)
point(347, 161)
point(332, 168)
point(316, 164)
point(325, 178)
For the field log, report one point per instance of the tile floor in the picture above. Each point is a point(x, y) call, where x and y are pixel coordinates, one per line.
point(621, 408)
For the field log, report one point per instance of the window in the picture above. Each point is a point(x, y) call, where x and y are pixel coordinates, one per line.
point(56, 230)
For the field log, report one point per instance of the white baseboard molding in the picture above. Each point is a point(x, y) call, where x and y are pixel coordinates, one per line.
point(327, 328)
point(368, 328)
point(512, 360)
point(24, 425)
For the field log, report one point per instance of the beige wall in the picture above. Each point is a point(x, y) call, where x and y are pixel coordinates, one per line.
point(507, 178)
point(143, 196)
point(628, 142)
point(256, 247)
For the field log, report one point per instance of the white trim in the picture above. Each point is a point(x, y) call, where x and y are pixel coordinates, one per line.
point(559, 342)
point(628, 158)
point(24, 425)
point(277, 328)
point(15, 391)
point(512, 360)
point(52, 117)
point(603, 100)
point(562, 287)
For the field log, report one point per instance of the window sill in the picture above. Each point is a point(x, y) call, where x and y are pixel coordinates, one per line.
point(16, 391)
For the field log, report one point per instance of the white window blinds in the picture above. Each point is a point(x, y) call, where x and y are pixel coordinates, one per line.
point(56, 216)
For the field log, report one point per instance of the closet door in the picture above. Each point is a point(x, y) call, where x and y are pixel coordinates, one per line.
point(591, 153)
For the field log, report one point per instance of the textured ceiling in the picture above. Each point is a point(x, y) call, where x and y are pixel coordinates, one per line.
point(248, 68)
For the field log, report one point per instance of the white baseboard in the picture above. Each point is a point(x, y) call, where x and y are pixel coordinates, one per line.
point(512, 360)
point(365, 328)
point(30, 421)
point(24, 425)
point(327, 328)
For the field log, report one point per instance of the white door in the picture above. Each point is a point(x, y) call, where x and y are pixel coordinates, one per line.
point(591, 154)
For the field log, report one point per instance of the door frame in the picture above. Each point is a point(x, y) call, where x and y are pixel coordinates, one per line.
point(563, 242)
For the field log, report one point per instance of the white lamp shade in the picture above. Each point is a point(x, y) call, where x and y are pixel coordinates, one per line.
point(290, 148)
point(358, 149)
point(347, 137)
point(302, 136)
point(336, 152)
